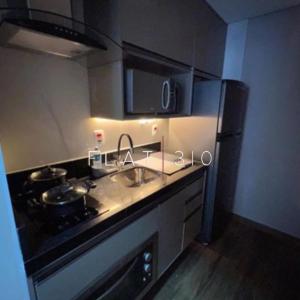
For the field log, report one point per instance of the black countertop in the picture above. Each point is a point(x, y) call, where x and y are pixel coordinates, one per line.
point(124, 204)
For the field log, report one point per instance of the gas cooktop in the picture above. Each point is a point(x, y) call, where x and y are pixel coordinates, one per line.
point(43, 223)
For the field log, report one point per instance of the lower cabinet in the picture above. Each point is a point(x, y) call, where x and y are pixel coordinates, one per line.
point(72, 280)
point(123, 259)
point(193, 211)
point(174, 233)
point(192, 227)
point(170, 231)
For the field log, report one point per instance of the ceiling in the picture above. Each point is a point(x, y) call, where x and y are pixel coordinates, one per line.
point(237, 10)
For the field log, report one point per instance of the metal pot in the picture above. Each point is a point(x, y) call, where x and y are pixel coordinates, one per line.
point(66, 199)
point(45, 179)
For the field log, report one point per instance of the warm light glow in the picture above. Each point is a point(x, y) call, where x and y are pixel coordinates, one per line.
point(146, 121)
point(106, 120)
point(140, 121)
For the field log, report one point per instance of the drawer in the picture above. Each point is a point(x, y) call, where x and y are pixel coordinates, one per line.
point(193, 189)
point(192, 227)
point(192, 204)
point(70, 280)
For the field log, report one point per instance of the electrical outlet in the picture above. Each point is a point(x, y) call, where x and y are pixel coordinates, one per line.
point(154, 129)
point(99, 136)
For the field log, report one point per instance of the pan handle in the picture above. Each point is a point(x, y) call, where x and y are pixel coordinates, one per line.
point(90, 184)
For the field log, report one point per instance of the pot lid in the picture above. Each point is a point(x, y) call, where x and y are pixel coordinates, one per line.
point(48, 173)
point(64, 194)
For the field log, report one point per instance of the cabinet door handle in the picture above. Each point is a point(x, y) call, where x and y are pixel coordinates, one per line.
point(166, 85)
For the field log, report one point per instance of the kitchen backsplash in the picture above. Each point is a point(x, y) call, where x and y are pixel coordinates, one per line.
point(45, 113)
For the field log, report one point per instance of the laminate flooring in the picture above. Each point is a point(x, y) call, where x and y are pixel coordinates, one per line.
point(241, 263)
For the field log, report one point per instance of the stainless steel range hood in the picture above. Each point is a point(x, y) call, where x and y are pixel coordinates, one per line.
point(53, 33)
point(47, 37)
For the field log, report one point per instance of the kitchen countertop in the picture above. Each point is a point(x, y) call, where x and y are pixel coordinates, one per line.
point(125, 204)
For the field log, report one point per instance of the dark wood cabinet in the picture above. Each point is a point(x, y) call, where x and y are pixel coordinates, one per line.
point(158, 26)
point(170, 38)
point(189, 32)
point(133, 87)
point(210, 38)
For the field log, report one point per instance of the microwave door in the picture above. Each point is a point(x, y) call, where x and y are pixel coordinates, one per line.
point(143, 92)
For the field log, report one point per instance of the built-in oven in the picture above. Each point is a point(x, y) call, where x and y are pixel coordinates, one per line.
point(129, 278)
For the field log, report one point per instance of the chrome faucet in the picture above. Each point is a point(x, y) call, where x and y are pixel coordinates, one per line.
point(119, 145)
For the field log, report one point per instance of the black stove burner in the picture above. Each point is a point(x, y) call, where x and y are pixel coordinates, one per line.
point(37, 214)
point(65, 222)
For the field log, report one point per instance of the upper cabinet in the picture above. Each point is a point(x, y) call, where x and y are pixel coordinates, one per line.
point(210, 40)
point(186, 31)
point(163, 27)
point(141, 84)
point(164, 43)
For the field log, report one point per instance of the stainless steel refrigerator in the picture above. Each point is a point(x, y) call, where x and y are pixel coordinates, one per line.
point(224, 102)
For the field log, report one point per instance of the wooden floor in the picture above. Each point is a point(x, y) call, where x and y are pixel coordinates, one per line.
point(242, 263)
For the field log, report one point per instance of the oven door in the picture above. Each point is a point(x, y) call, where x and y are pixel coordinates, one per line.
point(129, 279)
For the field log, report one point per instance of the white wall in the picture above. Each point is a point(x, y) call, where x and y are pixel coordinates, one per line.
point(235, 50)
point(268, 186)
point(45, 112)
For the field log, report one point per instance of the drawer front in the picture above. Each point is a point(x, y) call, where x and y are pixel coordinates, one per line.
point(192, 227)
point(69, 281)
point(192, 204)
point(170, 231)
point(193, 189)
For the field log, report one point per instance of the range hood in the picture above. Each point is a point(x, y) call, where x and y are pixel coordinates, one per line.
point(47, 37)
point(48, 32)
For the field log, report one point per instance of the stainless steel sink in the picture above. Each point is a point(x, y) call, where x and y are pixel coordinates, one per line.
point(135, 177)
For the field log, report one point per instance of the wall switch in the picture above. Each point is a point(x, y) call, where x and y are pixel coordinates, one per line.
point(99, 136)
point(154, 129)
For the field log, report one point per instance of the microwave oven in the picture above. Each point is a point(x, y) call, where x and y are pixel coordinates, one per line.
point(150, 93)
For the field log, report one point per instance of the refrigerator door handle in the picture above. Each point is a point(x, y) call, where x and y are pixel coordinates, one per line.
point(224, 136)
